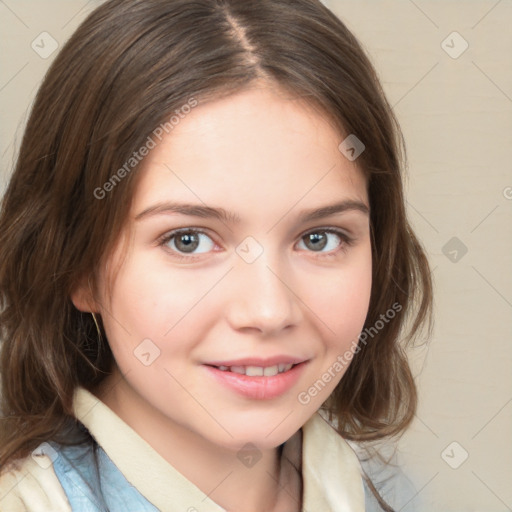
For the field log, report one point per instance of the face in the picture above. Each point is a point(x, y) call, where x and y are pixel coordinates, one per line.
point(235, 301)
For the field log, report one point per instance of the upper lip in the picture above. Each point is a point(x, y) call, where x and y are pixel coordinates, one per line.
point(258, 361)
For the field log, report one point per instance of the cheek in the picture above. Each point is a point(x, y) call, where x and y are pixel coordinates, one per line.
point(155, 302)
point(150, 299)
point(344, 304)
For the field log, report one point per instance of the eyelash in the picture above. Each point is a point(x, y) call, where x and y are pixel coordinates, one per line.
point(346, 241)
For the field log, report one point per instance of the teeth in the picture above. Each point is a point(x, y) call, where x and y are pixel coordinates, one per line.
point(270, 371)
point(254, 371)
point(258, 371)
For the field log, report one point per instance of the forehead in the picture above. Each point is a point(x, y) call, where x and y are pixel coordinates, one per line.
point(259, 146)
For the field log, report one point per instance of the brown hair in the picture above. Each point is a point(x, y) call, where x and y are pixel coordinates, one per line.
point(127, 68)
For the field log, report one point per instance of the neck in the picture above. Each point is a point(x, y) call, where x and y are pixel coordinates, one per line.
point(272, 484)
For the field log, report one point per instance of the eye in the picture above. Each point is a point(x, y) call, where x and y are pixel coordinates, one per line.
point(186, 241)
point(326, 238)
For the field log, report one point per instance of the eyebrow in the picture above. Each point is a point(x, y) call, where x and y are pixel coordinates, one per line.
point(203, 211)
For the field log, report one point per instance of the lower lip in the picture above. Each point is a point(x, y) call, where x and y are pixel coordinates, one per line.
point(259, 388)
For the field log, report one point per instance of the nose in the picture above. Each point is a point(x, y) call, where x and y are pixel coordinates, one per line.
point(262, 297)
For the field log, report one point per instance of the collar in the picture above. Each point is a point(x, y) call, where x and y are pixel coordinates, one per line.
point(331, 472)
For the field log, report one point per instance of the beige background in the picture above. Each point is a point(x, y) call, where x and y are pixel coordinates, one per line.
point(456, 114)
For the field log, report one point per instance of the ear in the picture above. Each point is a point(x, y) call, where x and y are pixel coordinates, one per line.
point(82, 297)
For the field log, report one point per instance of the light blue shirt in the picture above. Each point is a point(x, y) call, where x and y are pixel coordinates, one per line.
point(112, 468)
point(93, 483)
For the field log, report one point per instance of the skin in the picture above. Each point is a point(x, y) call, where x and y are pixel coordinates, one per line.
point(265, 156)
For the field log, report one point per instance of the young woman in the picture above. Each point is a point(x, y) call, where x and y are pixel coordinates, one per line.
point(206, 268)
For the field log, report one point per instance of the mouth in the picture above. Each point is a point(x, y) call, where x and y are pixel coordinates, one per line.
point(258, 381)
point(256, 371)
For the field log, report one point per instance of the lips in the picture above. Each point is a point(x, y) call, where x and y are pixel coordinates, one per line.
point(260, 379)
point(259, 361)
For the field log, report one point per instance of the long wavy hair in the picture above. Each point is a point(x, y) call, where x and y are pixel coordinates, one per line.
point(128, 67)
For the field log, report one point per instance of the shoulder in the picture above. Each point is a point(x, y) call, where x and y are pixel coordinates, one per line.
point(30, 484)
point(388, 478)
point(382, 466)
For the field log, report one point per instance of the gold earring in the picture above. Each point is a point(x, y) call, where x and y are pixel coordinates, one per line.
point(97, 326)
